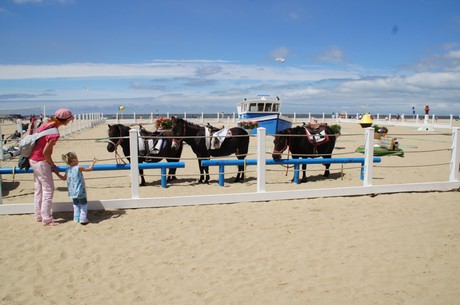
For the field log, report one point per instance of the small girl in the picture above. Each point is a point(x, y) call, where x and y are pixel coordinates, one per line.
point(76, 186)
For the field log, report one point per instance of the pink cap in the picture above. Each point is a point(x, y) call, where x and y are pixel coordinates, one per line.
point(63, 114)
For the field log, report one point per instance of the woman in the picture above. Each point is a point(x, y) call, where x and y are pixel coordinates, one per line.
point(42, 163)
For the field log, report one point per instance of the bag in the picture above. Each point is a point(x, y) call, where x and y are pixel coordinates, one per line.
point(26, 146)
point(23, 163)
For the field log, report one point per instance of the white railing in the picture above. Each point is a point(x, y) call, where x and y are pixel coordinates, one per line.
point(261, 195)
point(429, 121)
point(80, 123)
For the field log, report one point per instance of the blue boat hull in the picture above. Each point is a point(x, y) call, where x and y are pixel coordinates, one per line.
point(272, 123)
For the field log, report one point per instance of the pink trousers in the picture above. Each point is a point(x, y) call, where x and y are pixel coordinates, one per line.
point(44, 190)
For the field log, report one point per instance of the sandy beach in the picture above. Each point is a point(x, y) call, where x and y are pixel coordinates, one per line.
point(383, 249)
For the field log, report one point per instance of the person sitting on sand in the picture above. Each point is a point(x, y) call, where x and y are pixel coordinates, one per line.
point(76, 186)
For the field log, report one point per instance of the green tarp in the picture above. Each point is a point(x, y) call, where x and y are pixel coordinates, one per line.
point(379, 151)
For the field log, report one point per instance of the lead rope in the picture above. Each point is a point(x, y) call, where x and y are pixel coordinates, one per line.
point(119, 158)
point(287, 165)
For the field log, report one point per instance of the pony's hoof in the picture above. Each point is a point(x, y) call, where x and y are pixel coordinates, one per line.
point(326, 174)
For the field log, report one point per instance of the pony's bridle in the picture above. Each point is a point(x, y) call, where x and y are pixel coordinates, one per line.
point(177, 141)
point(286, 144)
point(120, 139)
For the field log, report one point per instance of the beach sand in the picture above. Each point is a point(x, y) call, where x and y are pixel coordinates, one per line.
point(383, 249)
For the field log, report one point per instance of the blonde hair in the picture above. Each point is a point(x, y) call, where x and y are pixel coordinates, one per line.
point(68, 157)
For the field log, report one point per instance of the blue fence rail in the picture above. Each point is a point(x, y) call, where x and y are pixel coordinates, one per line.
point(107, 167)
point(295, 162)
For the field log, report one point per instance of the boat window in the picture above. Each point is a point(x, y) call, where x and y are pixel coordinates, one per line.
point(260, 107)
point(253, 107)
point(268, 107)
point(275, 107)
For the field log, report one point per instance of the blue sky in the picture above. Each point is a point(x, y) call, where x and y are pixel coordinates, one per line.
point(383, 56)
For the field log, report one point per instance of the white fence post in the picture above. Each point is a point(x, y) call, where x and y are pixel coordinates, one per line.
point(134, 163)
point(454, 161)
point(1, 158)
point(1, 152)
point(368, 156)
point(261, 159)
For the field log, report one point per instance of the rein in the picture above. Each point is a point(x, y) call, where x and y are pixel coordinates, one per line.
point(286, 145)
point(179, 141)
point(118, 157)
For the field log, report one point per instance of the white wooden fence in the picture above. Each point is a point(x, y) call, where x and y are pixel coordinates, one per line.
point(81, 122)
point(261, 194)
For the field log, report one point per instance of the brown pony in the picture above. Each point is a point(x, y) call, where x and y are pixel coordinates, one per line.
point(119, 136)
point(305, 142)
point(236, 142)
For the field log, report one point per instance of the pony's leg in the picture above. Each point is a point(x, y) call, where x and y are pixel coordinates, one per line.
point(141, 172)
point(304, 173)
point(172, 174)
point(206, 170)
point(201, 172)
point(240, 175)
point(326, 171)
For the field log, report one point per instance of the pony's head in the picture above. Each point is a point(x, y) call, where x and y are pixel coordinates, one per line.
point(115, 137)
point(178, 127)
point(178, 131)
point(281, 142)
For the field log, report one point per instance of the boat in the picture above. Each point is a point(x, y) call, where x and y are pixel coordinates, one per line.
point(266, 112)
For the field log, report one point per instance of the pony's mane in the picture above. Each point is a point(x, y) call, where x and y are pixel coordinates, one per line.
point(182, 121)
point(120, 127)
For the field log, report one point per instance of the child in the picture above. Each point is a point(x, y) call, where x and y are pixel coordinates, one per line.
point(76, 186)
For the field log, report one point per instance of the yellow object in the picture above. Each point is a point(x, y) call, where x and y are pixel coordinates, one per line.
point(366, 121)
point(122, 108)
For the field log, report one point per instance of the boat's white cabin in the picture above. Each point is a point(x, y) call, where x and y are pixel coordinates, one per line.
point(259, 106)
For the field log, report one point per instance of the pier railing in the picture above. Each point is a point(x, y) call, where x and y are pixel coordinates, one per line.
point(427, 121)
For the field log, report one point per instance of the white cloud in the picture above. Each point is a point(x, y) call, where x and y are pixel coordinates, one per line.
point(169, 70)
point(279, 52)
point(219, 85)
point(333, 54)
point(453, 54)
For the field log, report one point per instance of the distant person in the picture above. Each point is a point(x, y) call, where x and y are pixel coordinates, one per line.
point(33, 125)
point(43, 165)
point(76, 187)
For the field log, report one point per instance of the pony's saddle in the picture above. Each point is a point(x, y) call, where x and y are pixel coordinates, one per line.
point(151, 143)
point(316, 136)
point(214, 139)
